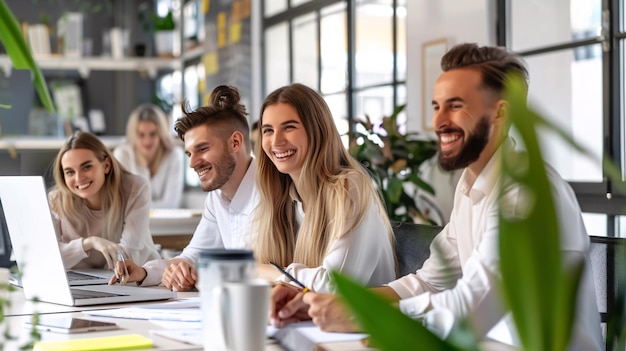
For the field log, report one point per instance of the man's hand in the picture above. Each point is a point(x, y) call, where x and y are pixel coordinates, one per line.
point(107, 248)
point(286, 305)
point(180, 275)
point(329, 313)
point(136, 273)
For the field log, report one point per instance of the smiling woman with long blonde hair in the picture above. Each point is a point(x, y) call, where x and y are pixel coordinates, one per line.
point(150, 152)
point(319, 209)
point(98, 207)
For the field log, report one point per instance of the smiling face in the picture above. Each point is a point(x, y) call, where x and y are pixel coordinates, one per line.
point(84, 175)
point(209, 157)
point(464, 116)
point(284, 139)
point(147, 139)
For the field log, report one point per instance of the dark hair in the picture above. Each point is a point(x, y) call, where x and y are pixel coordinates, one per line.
point(223, 111)
point(493, 62)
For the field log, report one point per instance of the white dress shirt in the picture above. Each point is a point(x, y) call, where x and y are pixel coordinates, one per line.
point(462, 273)
point(364, 254)
point(224, 224)
point(166, 185)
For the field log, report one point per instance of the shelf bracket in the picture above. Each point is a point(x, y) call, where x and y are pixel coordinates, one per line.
point(83, 71)
point(7, 68)
point(152, 72)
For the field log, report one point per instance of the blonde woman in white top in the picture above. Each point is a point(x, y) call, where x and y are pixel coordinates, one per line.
point(150, 153)
point(319, 209)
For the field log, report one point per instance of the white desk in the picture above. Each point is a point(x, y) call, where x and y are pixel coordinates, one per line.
point(21, 311)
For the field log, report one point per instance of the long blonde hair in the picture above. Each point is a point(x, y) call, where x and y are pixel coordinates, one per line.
point(149, 113)
point(336, 191)
point(73, 208)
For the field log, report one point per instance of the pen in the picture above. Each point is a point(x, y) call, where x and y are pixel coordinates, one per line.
point(122, 258)
point(290, 277)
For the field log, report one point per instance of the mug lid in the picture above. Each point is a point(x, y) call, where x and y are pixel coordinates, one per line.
point(227, 254)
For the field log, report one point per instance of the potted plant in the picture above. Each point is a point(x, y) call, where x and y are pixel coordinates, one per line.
point(394, 160)
point(164, 34)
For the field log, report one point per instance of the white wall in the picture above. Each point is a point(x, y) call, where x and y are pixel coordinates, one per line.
point(457, 22)
point(454, 20)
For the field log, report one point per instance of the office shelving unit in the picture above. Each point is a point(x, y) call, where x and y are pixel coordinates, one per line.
point(84, 65)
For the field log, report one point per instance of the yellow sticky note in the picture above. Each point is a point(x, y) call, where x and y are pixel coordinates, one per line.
point(235, 33)
point(221, 29)
point(211, 64)
point(113, 343)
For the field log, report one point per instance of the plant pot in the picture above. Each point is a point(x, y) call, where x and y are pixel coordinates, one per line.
point(164, 43)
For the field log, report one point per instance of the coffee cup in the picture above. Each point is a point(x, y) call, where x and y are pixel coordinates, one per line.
point(239, 316)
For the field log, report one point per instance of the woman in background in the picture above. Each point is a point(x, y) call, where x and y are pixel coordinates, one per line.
point(319, 209)
point(150, 153)
point(98, 207)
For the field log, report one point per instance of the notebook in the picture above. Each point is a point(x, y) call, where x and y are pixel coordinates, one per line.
point(29, 222)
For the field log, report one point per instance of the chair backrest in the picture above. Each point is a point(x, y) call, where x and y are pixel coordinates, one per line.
point(412, 245)
point(608, 265)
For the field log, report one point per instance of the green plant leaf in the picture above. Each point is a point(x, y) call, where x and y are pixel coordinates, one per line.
point(394, 189)
point(413, 178)
point(13, 41)
point(389, 329)
point(539, 292)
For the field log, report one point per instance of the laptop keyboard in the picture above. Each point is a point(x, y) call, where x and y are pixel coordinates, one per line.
point(89, 294)
point(72, 276)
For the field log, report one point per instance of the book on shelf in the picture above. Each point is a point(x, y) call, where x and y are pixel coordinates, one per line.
point(39, 39)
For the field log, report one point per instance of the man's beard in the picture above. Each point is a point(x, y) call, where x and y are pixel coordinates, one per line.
point(470, 150)
point(223, 168)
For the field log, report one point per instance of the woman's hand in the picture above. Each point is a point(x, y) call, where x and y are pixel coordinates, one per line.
point(132, 273)
point(107, 248)
point(286, 305)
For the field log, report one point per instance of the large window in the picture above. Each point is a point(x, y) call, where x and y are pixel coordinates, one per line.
point(575, 53)
point(352, 51)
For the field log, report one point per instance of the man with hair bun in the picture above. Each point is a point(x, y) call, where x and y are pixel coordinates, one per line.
point(217, 142)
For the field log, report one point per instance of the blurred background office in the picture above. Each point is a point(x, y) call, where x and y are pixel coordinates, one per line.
point(365, 57)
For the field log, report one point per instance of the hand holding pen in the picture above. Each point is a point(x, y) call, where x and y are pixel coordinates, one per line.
point(286, 305)
point(120, 269)
point(291, 277)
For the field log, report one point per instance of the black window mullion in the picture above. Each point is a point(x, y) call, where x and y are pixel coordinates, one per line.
point(351, 25)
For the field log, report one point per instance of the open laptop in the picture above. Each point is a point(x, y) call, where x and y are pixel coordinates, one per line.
point(29, 222)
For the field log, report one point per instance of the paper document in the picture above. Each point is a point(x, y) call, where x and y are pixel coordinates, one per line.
point(186, 310)
point(194, 336)
point(305, 336)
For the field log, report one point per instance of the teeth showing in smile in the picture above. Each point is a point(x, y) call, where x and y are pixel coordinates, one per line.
point(284, 154)
point(83, 186)
point(448, 138)
point(203, 171)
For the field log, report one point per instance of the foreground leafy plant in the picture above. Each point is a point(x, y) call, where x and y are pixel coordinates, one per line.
point(540, 292)
point(13, 41)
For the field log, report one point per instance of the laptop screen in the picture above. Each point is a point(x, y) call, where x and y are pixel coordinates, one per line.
point(5, 241)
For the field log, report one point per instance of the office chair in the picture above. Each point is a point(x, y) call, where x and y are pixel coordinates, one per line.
point(412, 245)
point(607, 255)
